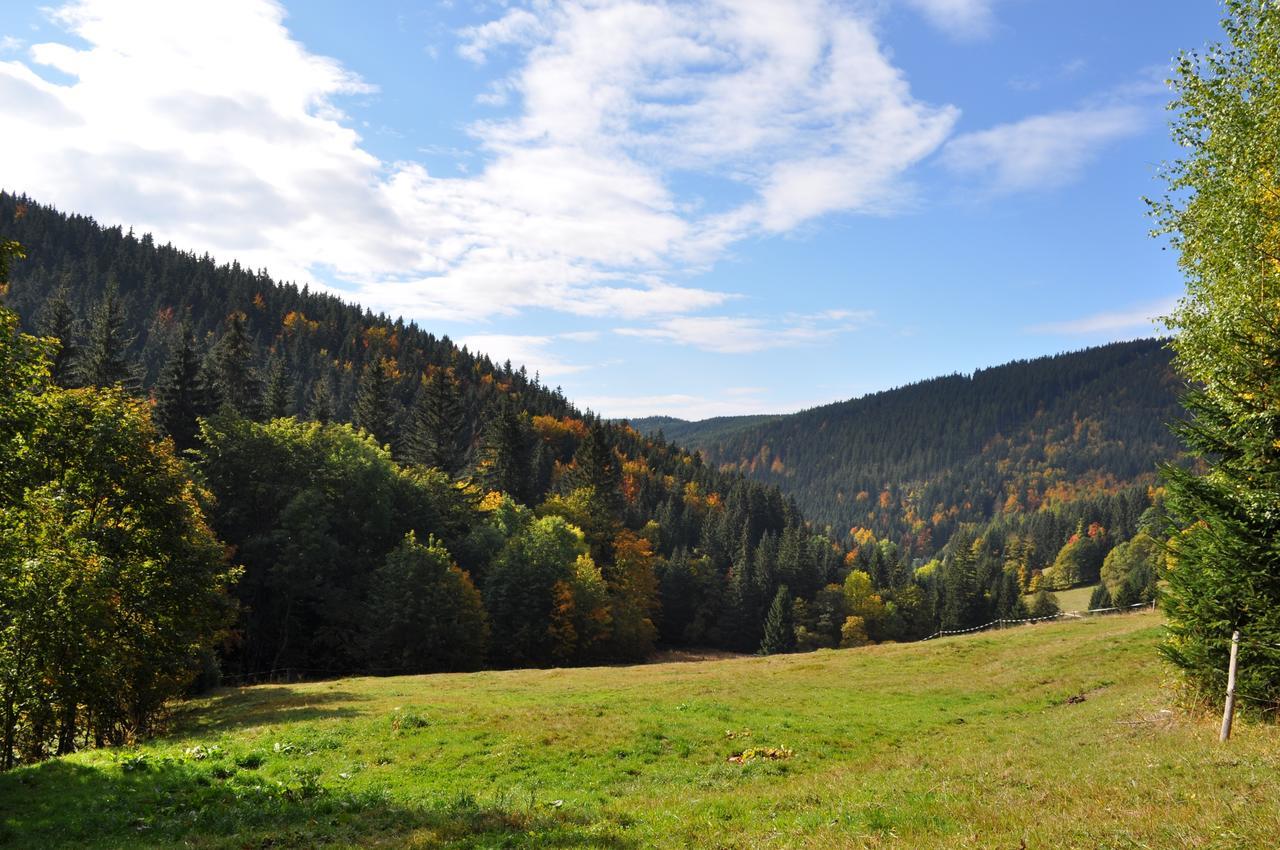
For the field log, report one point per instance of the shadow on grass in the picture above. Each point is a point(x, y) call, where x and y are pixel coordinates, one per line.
point(171, 802)
point(264, 705)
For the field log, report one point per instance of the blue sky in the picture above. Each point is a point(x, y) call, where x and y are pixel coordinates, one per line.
point(696, 208)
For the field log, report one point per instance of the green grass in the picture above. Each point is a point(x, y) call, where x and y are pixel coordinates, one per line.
point(1059, 735)
point(1075, 599)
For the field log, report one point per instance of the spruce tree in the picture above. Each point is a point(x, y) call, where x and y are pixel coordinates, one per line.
point(321, 406)
point(373, 401)
point(58, 321)
point(506, 452)
point(1221, 212)
point(181, 394)
point(277, 400)
point(434, 433)
point(104, 361)
point(779, 625)
point(238, 384)
point(597, 467)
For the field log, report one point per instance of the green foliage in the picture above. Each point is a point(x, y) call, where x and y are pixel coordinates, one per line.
point(313, 512)
point(235, 376)
point(1221, 212)
point(104, 360)
point(182, 394)
point(112, 586)
point(373, 411)
point(434, 437)
point(1132, 569)
point(1043, 604)
point(779, 625)
point(424, 614)
point(1079, 561)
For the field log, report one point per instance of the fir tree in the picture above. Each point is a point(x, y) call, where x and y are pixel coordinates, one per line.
point(277, 400)
point(779, 625)
point(597, 467)
point(1221, 213)
point(58, 321)
point(321, 406)
point(373, 401)
point(239, 388)
point(435, 424)
point(104, 362)
point(181, 394)
point(506, 451)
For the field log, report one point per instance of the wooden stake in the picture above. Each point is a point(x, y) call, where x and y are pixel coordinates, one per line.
point(1229, 710)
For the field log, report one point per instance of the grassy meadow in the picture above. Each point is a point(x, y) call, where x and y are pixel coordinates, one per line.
point(1048, 736)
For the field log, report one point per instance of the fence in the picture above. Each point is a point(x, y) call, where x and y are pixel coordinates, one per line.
point(1078, 615)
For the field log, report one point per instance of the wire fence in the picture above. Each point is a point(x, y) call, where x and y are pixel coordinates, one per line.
point(1061, 615)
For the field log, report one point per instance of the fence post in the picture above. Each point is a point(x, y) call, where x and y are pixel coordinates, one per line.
point(1229, 709)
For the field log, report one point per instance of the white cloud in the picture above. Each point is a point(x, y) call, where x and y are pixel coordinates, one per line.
point(681, 405)
point(1043, 151)
point(209, 125)
point(743, 335)
point(963, 19)
point(1141, 320)
point(531, 351)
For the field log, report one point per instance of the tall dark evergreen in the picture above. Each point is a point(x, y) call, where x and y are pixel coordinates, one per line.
point(181, 393)
point(277, 399)
point(321, 404)
point(506, 451)
point(434, 434)
point(779, 625)
point(373, 402)
point(239, 386)
point(105, 360)
point(58, 321)
point(597, 467)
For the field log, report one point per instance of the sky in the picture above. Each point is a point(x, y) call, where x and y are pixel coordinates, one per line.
point(683, 207)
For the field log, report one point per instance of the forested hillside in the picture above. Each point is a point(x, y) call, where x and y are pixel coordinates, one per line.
point(349, 493)
point(913, 465)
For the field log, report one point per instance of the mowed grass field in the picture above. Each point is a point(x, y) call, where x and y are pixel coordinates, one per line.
point(1063, 735)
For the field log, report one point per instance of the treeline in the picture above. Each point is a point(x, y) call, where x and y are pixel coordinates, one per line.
point(255, 477)
point(253, 381)
point(1024, 440)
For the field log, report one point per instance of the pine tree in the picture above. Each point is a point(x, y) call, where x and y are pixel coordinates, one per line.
point(321, 406)
point(104, 361)
point(181, 394)
point(277, 399)
point(779, 625)
point(373, 401)
point(434, 434)
point(1221, 212)
point(58, 321)
point(506, 452)
point(597, 467)
point(239, 387)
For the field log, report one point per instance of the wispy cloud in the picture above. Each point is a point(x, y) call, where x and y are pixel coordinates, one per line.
point(535, 353)
point(211, 126)
point(1043, 151)
point(745, 335)
point(962, 19)
point(1140, 320)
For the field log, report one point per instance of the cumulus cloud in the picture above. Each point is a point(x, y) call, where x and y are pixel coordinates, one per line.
point(1043, 151)
point(211, 126)
point(745, 335)
point(531, 351)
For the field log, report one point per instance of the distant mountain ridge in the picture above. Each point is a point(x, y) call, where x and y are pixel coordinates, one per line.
point(911, 464)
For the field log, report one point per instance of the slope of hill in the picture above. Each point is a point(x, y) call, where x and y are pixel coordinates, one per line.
point(913, 464)
point(1056, 735)
point(701, 432)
